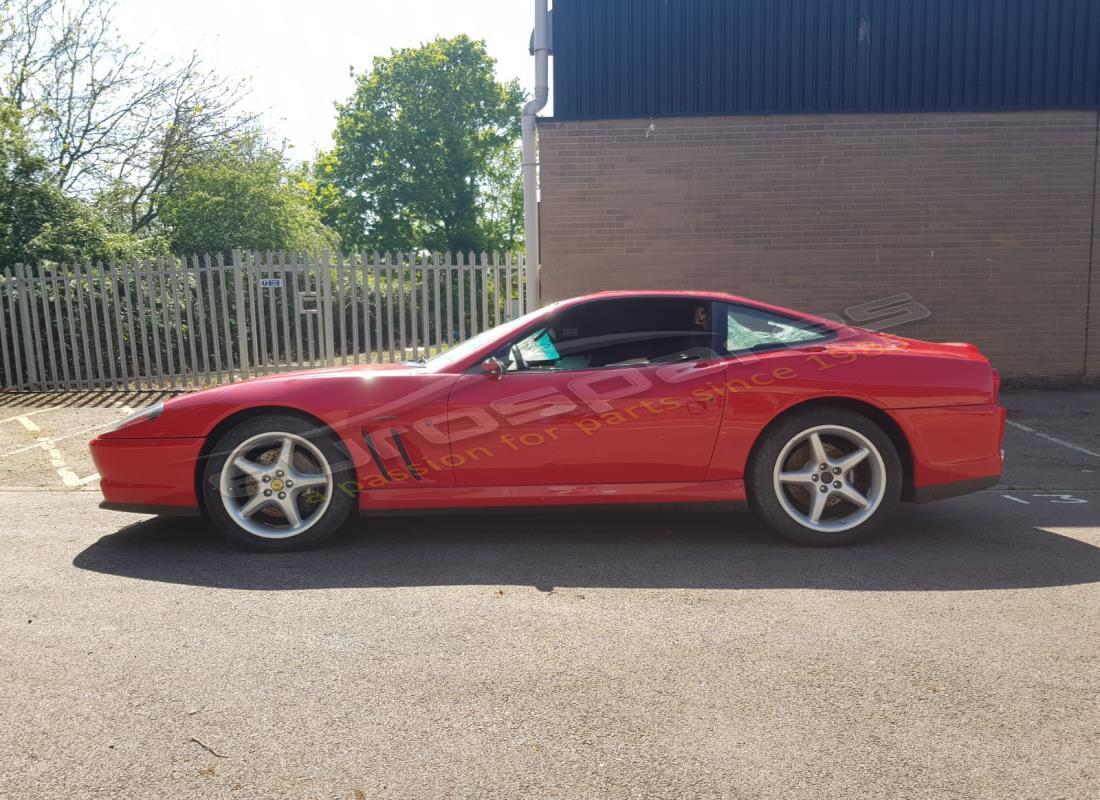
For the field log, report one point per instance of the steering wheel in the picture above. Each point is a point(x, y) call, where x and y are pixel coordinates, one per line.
point(517, 357)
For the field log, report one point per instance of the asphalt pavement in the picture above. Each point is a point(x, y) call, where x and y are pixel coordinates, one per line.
point(594, 654)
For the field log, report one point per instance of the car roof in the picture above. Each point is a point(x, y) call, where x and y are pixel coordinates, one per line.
point(689, 294)
point(685, 293)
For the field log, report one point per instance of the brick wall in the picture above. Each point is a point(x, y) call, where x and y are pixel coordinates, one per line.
point(985, 218)
point(1092, 364)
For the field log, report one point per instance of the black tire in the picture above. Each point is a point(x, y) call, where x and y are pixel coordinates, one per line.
point(764, 495)
point(340, 503)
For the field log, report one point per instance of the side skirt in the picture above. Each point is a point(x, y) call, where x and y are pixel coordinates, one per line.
point(422, 498)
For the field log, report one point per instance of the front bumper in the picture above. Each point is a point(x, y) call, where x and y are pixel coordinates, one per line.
point(148, 475)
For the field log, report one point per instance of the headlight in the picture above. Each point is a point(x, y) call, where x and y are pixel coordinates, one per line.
point(144, 415)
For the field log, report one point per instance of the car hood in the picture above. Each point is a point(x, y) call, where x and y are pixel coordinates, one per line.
point(336, 396)
point(343, 371)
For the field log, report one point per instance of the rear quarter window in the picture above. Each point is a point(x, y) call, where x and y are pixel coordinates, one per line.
point(753, 329)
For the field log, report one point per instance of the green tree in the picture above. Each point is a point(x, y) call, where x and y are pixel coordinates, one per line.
point(38, 222)
point(500, 209)
point(243, 195)
point(102, 109)
point(425, 153)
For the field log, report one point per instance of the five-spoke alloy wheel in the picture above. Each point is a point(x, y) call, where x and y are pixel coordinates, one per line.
point(825, 477)
point(274, 483)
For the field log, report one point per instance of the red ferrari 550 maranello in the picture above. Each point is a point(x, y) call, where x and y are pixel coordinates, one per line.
point(623, 397)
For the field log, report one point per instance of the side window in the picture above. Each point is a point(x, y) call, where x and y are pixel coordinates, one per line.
point(535, 351)
point(618, 333)
point(749, 329)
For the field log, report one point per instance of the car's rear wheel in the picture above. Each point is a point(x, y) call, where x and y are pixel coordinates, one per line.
point(277, 483)
point(826, 477)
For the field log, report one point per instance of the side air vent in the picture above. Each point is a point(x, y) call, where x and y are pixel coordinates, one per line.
point(377, 456)
point(405, 455)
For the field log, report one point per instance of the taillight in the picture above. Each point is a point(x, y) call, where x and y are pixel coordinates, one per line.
point(996, 385)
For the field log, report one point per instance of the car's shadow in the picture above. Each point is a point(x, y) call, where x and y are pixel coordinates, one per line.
point(926, 549)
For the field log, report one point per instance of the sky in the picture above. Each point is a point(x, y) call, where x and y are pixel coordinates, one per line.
point(296, 55)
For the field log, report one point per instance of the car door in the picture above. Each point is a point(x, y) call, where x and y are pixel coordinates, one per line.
point(621, 399)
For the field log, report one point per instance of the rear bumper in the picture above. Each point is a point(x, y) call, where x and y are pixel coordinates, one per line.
point(146, 474)
point(942, 491)
point(955, 449)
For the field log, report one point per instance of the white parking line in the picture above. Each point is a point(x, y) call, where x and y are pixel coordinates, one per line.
point(1055, 496)
point(70, 435)
point(1054, 439)
point(49, 445)
point(28, 414)
point(68, 477)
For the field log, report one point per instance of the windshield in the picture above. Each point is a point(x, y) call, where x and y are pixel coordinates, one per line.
point(470, 346)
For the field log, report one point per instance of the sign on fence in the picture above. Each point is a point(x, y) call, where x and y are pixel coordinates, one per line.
point(196, 321)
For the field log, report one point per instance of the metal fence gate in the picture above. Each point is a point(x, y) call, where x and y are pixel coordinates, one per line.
point(179, 323)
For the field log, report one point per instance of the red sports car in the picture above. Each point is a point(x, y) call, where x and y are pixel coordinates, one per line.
point(624, 397)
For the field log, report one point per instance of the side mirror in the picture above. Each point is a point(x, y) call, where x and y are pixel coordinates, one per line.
point(493, 367)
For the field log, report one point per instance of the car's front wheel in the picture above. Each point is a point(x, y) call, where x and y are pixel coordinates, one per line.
point(276, 483)
point(825, 476)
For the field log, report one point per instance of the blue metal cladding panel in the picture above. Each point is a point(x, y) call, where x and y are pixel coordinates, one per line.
point(625, 58)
